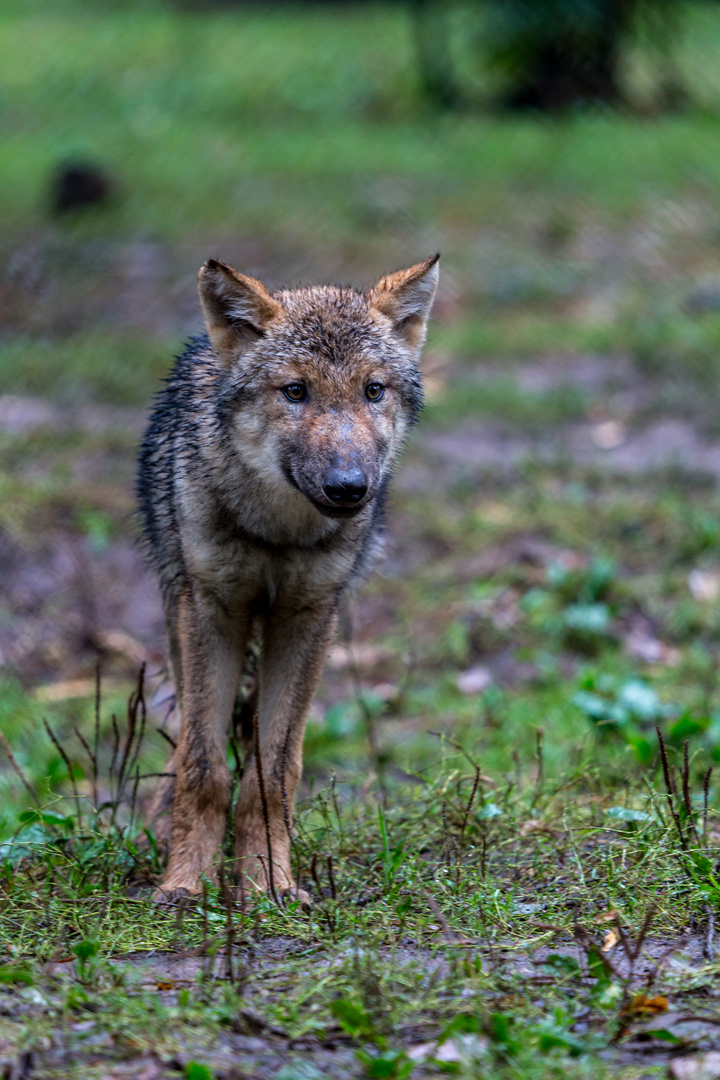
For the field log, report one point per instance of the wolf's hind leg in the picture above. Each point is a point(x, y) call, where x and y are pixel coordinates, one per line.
point(295, 646)
point(210, 649)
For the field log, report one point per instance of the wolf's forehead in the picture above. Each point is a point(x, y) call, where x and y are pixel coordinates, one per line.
point(329, 323)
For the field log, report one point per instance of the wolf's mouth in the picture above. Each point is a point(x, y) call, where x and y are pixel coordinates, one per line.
point(336, 511)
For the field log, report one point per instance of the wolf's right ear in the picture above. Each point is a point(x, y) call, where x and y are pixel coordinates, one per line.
point(237, 309)
point(406, 297)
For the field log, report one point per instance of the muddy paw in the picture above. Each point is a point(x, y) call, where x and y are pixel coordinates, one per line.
point(289, 896)
point(174, 896)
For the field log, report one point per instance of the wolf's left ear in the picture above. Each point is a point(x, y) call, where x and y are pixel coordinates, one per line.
point(406, 298)
point(237, 308)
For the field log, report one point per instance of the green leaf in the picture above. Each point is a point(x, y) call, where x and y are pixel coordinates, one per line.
point(463, 1024)
point(195, 1071)
point(489, 810)
point(587, 618)
point(641, 700)
point(392, 1066)
point(665, 1035)
point(552, 1038)
point(595, 707)
point(624, 813)
point(352, 1018)
point(85, 950)
point(599, 969)
point(499, 1028)
point(559, 962)
point(11, 974)
point(686, 727)
point(46, 817)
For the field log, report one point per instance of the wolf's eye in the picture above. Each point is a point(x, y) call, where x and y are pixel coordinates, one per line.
point(295, 391)
point(374, 391)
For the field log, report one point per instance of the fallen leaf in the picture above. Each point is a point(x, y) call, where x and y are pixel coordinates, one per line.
point(610, 941)
point(165, 985)
point(642, 1005)
point(612, 915)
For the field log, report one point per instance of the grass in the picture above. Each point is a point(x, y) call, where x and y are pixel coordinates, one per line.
point(468, 850)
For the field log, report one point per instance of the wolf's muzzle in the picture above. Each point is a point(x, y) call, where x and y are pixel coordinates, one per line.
point(345, 487)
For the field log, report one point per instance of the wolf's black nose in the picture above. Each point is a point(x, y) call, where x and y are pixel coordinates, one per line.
point(345, 486)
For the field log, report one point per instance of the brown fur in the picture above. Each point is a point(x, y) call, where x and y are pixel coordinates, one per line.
point(260, 510)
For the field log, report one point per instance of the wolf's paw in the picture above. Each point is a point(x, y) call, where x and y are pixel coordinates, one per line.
point(170, 897)
point(293, 894)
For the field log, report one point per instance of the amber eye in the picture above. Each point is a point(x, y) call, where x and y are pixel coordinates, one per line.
point(374, 391)
point(295, 391)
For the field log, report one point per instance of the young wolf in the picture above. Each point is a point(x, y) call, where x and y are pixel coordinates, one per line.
point(261, 483)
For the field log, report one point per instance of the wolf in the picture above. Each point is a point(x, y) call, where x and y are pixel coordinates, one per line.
point(261, 483)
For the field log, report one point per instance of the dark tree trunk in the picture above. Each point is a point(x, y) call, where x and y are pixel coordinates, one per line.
point(576, 66)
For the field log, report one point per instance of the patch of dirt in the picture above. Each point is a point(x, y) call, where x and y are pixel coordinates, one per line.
point(489, 445)
point(252, 1046)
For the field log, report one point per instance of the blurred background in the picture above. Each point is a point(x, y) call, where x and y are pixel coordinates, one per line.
point(553, 531)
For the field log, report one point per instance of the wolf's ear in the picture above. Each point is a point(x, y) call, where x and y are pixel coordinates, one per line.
point(406, 298)
point(237, 309)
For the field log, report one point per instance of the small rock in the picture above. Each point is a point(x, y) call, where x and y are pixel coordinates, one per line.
point(704, 585)
point(76, 185)
point(474, 680)
point(609, 434)
point(697, 1067)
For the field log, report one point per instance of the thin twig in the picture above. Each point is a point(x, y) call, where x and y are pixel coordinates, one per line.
point(143, 718)
point(468, 808)
point(686, 779)
point(133, 798)
point(93, 764)
point(61, 751)
point(665, 764)
point(644, 929)
point(168, 738)
point(132, 713)
point(116, 747)
point(670, 788)
point(331, 877)
point(96, 736)
point(541, 761)
point(314, 875)
point(706, 799)
point(11, 758)
point(686, 789)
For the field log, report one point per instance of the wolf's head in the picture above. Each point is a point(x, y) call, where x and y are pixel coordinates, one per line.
point(323, 382)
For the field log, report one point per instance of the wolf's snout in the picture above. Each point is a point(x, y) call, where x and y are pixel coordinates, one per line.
point(344, 487)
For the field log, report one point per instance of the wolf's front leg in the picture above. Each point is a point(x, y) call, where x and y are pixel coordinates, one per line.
point(209, 657)
point(295, 646)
